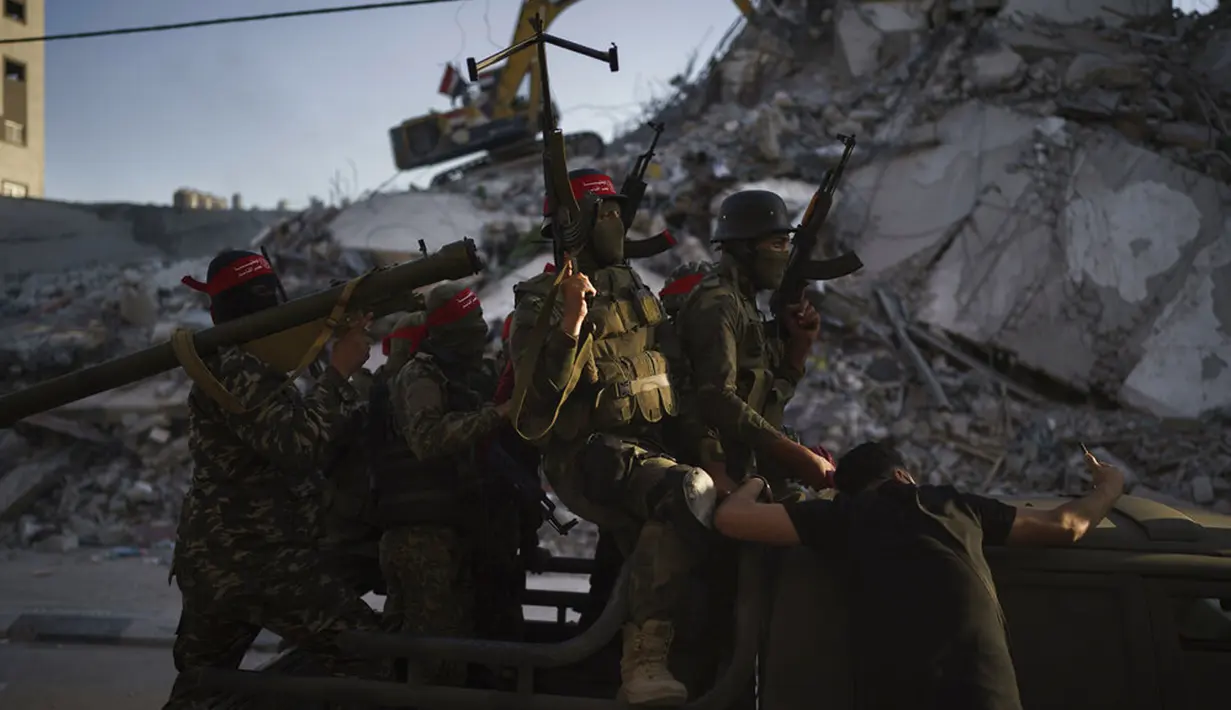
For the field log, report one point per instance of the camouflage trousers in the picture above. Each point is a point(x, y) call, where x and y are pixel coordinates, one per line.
point(623, 490)
point(289, 591)
point(430, 590)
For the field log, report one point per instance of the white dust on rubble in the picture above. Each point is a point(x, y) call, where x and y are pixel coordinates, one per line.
point(1041, 202)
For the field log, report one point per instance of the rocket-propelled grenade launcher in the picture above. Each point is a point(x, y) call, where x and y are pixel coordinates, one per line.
point(289, 336)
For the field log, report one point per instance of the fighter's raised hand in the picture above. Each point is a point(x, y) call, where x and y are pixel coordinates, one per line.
point(575, 288)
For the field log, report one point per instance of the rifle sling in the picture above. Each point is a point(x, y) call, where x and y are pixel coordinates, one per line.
point(185, 349)
point(523, 373)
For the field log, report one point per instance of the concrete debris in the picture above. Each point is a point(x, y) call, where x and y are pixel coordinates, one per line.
point(1041, 195)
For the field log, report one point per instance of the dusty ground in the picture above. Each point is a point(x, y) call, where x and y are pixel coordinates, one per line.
point(84, 580)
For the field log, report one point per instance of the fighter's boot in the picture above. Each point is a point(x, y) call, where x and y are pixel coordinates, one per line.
point(646, 679)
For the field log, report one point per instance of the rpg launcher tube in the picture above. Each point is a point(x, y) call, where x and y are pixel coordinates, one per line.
point(380, 293)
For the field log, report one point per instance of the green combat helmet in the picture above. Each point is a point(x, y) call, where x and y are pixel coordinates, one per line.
point(681, 282)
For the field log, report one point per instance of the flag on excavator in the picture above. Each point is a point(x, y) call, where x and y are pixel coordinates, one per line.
point(452, 84)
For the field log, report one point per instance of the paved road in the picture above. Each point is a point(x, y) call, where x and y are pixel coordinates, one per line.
point(87, 677)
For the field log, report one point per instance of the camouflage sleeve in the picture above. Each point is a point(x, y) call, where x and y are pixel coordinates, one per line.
point(430, 430)
point(555, 361)
point(297, 432)
point(708, 333)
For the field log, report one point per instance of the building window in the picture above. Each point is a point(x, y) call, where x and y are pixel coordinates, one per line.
point(14, 71)
point(14, 133)
point(15, 10)
point(12, 189)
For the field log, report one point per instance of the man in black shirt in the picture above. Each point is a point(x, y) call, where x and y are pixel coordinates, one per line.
point(927, 627)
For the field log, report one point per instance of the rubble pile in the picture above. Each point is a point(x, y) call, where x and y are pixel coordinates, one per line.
point(1047, 186)
point(112, 470)
point(959, 421)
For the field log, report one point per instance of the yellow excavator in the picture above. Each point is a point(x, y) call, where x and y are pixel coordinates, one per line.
point(499, 113)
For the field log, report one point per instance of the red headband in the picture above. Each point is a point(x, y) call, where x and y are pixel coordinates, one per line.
point(413, 333)
point(682, 285)
point(599, 184)
point(454, 309)
point(231, 275)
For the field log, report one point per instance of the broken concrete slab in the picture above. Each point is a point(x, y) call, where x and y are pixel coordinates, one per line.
point(1112, 12)
point(25, 483)
point(391, 225)
point(1132, 230)
point(1186, 368)
point(871, 35)
point(896, 209)
point(1214, 61)
point(45, 235)
point(999, 69)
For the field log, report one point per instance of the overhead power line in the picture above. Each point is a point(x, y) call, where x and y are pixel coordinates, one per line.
point(226, 21)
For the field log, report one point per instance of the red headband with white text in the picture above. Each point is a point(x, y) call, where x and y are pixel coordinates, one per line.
point(234, 274)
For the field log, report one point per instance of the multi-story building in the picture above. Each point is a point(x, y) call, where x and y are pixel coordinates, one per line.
point(22, 100)
point(186, 198)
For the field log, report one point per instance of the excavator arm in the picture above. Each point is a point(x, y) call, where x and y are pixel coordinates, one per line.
point(516, 67)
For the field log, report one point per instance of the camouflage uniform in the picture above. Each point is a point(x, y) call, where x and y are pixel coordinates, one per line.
point(425, 478)
point(740, 379)
point(739, 383)
point(604, 453)
point(246, 557)
point(607, 556)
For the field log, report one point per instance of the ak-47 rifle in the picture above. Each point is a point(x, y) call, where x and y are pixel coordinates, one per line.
point(562, 207)
point(633, 191)
point(526, 483)
point(802, 270)
point(563, 210)
point(634, 185)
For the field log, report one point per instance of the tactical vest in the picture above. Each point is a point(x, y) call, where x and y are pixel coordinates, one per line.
point(410, 491)
point(625, 383)
point(758, 350)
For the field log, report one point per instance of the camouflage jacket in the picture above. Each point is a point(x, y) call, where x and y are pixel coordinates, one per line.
point(257, 482)
point(739, 380)
point(432, 425)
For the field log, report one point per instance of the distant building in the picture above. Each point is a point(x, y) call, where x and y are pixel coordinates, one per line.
point(188, 199)
point(237, 201)
point(22, 100)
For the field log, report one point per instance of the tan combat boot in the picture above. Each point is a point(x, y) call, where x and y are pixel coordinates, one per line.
point(646, 680)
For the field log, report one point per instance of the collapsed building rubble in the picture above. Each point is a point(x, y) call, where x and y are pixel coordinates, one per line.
point(1041, 194)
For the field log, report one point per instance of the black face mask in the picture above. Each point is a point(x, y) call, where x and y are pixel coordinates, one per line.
point(464, 340)
point(256, 295)
point(607, 235)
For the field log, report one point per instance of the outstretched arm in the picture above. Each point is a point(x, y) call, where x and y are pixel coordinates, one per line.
point(740, 516)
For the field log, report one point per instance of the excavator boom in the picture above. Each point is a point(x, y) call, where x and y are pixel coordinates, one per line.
point(500, 118)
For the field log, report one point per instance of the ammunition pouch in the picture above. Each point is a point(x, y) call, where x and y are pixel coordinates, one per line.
point(619, 375)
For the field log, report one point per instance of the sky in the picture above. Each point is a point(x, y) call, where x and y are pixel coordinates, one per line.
point(280, 109)
point(273, 110)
